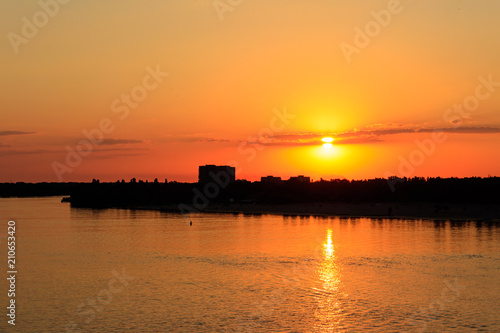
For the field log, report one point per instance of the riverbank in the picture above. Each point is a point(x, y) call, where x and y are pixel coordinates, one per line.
point(488, 212)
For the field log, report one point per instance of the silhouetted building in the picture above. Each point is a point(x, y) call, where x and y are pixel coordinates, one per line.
point(270, 180)
point(300, 179)
point(216, 173)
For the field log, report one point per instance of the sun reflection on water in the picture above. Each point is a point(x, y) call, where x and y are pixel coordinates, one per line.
point(328, 245)
point(329, 296)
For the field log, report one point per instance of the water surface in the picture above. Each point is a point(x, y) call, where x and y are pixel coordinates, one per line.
point(146, 271)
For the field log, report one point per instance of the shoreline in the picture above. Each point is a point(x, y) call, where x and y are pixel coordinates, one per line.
point(431, 211)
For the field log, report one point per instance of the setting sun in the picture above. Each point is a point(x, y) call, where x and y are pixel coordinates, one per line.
point(327, 139)
point(327, 142)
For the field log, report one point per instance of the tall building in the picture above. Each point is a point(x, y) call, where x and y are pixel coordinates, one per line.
point(300, 179)
point(270, 180)
point(220, 174)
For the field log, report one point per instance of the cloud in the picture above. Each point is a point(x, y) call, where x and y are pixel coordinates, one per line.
point(360, 140)
point(110, 142)
point(6, 133)
point(24, 152)
point(215, 140)
point(473, 130)
point(369, 134)
point(123, 151)
point(118, 149)
point(108, 156)
point(196, 138)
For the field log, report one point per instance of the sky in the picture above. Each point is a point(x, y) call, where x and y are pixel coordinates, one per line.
point(152, 89)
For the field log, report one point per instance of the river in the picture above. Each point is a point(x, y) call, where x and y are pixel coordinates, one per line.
point(84, 270)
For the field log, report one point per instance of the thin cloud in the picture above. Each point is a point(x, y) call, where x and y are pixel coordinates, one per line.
point(7, 133)
point(369, 134)
point(360, 140)
point(24, 152)
point(215, 140)
point(95, 151)
point(109, 156)
point(195, 139)
point(110, 142)
point(473, 130)
point(118, 149)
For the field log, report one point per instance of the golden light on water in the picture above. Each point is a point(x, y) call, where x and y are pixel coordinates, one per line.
point(330, 296)
point(329, 272)
point(328, 245)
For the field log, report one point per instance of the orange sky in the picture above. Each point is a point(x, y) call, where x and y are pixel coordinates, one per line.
point(165, 86)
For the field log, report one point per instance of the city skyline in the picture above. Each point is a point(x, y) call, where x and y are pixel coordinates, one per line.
point(119, 90)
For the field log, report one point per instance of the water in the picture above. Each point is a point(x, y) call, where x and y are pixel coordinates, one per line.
point(248, 273)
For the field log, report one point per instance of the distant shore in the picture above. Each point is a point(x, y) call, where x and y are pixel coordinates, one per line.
point(471, 198)
point(438, 211)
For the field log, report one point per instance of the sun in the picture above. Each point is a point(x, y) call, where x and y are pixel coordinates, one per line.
point(326, 149)
point(327, 142)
